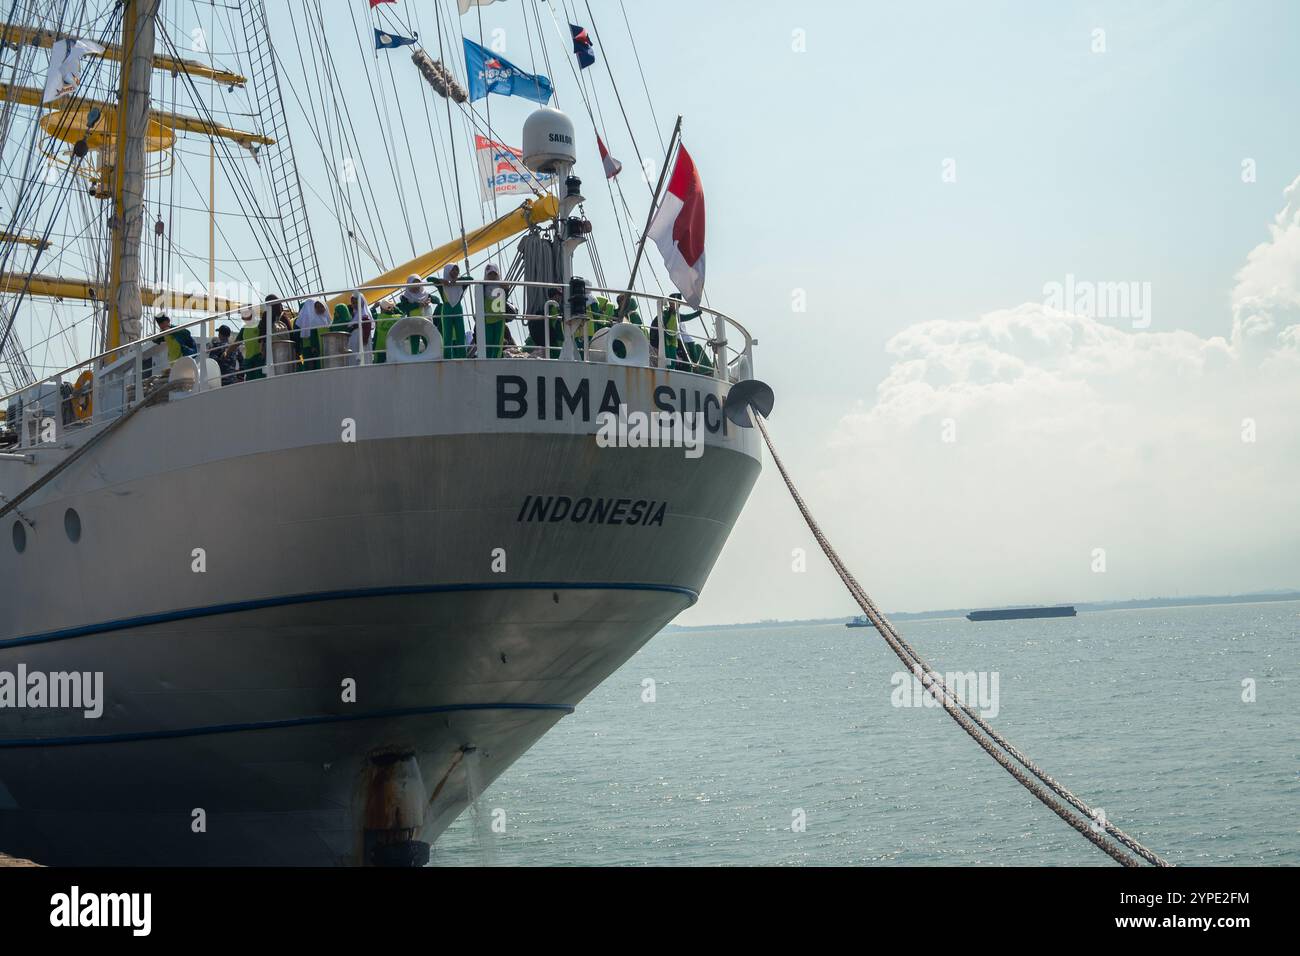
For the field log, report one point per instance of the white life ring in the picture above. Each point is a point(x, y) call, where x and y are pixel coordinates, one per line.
point(398, 346)
point(636, 345)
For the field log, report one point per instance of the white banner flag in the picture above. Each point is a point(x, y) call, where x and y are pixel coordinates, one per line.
point(466, 4)
point(502, 171)
point(65, 66)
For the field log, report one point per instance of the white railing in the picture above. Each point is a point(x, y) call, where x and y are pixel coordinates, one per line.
point(106, 385)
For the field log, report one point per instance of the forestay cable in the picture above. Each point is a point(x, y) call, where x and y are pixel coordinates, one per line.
point(1093, 826)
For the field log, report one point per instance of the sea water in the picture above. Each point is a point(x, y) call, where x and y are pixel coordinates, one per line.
point(793, 746)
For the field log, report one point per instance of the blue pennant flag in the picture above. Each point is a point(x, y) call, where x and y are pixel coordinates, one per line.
point(582, 46)
point(389, 41)
point(491, 73)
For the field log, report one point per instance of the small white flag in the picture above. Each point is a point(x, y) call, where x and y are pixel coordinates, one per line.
point(65, 66)
point(466, 4)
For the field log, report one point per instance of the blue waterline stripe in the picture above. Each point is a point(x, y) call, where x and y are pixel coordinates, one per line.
point(234, 608)
point(268, 725)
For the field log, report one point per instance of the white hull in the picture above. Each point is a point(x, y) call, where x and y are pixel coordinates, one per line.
point(326, 561)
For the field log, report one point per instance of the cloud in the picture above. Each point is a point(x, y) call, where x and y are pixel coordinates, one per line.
point(1002, 450)
point(1266, 299)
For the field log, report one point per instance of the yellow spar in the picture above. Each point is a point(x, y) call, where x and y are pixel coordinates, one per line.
point(56, 287)
point(529, 214)
point(16, 33)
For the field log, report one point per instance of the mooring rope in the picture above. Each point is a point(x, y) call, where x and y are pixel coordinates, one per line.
point(1094, 827)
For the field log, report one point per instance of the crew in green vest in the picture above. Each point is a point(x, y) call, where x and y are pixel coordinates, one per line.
point(667, 325)
point(697, 355)
point(554, 318)
point(388, 316)
point(414, 297)
point(449, 313)
point(494, 310)
point(179, 342)
point(251, 335)
point(630, 310)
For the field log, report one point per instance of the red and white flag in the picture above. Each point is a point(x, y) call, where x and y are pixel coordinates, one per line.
point(678, 229)
point(612, 166)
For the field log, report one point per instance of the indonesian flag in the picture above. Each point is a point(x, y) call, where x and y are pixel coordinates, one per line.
point(612, 166)
point(678, 229)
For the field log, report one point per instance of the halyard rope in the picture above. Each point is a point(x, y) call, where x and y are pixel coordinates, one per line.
point(1094, 827)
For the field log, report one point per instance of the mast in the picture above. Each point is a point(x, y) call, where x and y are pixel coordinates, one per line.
point(650, 216)
point(127, 224)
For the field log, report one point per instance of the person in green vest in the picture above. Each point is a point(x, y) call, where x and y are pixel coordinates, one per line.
point(555, 316)
point(664, 331)
point(696, 355)
point(179, 342)
point(389, 314)
point(342, 322)
point(495, 309)
point(251, 336)
point(449, 313)
point(600, 314)
point(414, 297)
point(627, 304)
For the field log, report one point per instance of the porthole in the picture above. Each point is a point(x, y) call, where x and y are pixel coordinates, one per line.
point(72, 525)
point(20, 537)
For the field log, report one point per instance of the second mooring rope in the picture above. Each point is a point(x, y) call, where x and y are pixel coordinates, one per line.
point(1093, 827)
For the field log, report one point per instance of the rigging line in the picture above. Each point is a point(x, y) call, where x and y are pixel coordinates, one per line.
point(546, 55)
point(460, 206)
point(610, 73)
point(371, 204)
point(410, 154)
point(236, 176)
point(968, 721)
point(644, 85)
point(34, 197)
point(487, 105)
point(276, 261)
point(311, 120)
point(435, 137)
point(60, 202)
point(378, 99)
point(600, 127)
point(349, 145)
point(220, 232)
point(321, 131)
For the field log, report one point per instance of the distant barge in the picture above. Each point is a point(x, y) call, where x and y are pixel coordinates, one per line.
point(1017, 613)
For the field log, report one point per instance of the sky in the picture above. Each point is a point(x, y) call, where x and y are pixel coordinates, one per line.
point(910, 206)
point(898, 197)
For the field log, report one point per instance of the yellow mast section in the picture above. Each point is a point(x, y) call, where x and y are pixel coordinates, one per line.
point(56, 287)
point(15, 33)
point(530, 213)
point(28, 96)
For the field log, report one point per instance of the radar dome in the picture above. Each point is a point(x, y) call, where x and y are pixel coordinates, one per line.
point(548, 141)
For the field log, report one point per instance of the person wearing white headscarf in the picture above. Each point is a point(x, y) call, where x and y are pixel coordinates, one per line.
point(361, 328)
point(414, 297)
point(494, 309)
point(449, 313)
point(312, 317)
